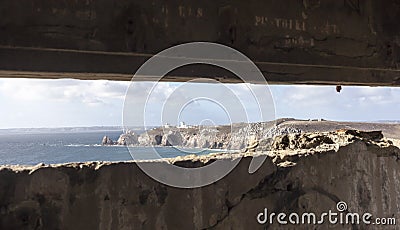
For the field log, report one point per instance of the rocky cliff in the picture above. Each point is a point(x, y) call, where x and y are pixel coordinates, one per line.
point(233, 137)
point(308, 172)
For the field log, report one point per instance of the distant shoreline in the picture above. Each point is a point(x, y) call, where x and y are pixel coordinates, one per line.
point(84, 129)
point(58, 130)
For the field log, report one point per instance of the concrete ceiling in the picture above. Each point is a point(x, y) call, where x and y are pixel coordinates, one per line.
point(348, 42)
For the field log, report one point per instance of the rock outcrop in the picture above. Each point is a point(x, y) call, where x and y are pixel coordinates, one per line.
point(128, 139)
point(107, 141)
point(172, 138)
point(233, 137)
point(355, 167)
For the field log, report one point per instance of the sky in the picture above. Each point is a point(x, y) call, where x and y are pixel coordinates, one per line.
point(33, 103)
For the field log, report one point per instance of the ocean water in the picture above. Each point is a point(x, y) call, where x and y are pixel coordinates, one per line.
point(53, 148)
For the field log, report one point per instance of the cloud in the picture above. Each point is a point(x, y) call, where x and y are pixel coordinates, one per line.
point(213, 101)
point(66, 102)
point(63, 102)
point(352, 103)
point(63, 90)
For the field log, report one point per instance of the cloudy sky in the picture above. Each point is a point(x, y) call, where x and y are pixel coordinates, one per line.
point(60, 103)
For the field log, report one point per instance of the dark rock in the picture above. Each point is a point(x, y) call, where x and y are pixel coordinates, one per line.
point(107, 141)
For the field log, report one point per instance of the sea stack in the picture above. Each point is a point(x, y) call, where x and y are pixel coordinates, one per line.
point(107, 141)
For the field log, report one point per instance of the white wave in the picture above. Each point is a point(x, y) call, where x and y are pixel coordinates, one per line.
point(82, 145)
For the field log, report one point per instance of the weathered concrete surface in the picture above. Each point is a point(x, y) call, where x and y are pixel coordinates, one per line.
point(309, 41)
point(360, 170)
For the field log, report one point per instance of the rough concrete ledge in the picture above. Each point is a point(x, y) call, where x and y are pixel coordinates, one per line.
point(101, 195)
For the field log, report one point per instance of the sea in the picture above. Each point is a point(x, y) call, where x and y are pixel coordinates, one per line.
point(53, 148)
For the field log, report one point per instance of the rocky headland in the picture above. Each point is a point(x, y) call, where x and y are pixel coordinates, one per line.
point(233, 137)
point(240, 135)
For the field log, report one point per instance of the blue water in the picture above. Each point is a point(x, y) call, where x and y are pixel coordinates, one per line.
point(53, 148)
